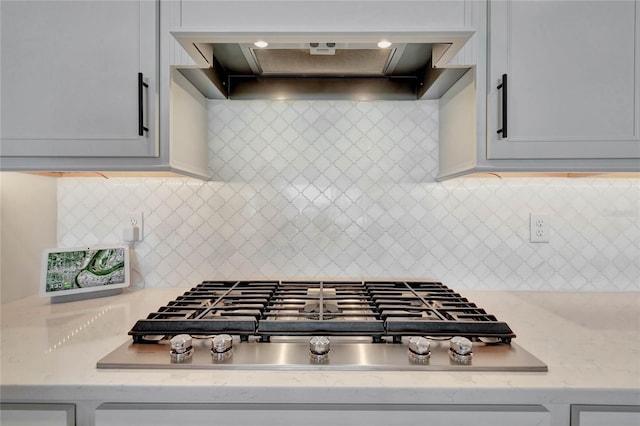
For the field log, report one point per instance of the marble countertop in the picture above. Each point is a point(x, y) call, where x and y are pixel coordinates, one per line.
point(590, 342)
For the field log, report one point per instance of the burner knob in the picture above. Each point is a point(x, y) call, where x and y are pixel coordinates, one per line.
point(221, 343)
point(461, 345)
point(221, 347)
point(181, 348)
point(460, 350)
point(319, 347)
point(419, 345)
point(181, 343)
point(419, 349)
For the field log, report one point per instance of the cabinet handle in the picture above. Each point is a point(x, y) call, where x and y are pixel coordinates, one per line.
point(141, 86)
point(503, 86)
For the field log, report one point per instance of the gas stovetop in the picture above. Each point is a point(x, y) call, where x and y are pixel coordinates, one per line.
point(383, 325)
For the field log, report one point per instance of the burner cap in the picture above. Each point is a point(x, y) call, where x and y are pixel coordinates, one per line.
point(313, 310)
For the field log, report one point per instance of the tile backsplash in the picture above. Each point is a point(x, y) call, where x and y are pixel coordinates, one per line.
point(311, 189)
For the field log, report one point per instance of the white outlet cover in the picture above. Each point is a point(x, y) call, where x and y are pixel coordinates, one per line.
point(135, 219)
point(539, 228)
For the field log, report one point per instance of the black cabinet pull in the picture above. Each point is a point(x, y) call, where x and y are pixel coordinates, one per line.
point(503, 86)
point(141, 86)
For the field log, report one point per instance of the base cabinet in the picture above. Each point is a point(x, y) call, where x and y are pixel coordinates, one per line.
point(319, 414)
point(92, 412)
point(37, 414)
point(605, 415)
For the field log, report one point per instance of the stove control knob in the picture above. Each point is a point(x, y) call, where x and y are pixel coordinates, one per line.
point(319, 347)
point(419, 345)
point(460, 350)
point(419, 349)
point(181, 348)
point(221, 343)
point(221, 347)
point(461, 345)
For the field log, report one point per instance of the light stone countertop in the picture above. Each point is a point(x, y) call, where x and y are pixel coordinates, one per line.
point(590, 342)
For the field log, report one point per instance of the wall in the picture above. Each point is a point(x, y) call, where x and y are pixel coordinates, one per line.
point(346, 189)
point(28, 206)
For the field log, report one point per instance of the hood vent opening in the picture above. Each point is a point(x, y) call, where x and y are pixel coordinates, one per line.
point(297, 70)
point(307, 62)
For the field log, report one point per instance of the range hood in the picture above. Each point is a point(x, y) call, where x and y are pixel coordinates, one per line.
point(398, 66)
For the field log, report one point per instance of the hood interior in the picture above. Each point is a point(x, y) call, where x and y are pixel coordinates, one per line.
point(340, 62)
point(335, 67)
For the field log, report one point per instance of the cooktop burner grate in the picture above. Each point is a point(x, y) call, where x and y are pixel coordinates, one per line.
point(294, 308)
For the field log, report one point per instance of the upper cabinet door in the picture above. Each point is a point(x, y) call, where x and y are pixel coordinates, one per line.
point(70, 78)
point(573, 79)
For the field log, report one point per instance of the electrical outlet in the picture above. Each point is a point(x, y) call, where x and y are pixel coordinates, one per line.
point(135, 219)
point(539, 228)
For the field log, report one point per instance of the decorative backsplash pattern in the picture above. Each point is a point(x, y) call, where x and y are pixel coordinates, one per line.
point(312, 189)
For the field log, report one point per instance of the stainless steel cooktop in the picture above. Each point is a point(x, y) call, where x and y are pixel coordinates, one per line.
point(343, 356)
point(322, 325)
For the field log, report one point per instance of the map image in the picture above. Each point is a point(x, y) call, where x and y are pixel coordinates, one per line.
point(85, 268)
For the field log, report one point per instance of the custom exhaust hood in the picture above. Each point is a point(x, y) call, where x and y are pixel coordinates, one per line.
point(399, 66)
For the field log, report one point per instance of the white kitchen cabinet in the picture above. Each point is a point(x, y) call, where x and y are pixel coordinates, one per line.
point(573, 91)
point(573, 79)
point(23, 414)
point(70, 90)
point(319, 414)
point(605, 415)
point(70, 78)
point(319, 15)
